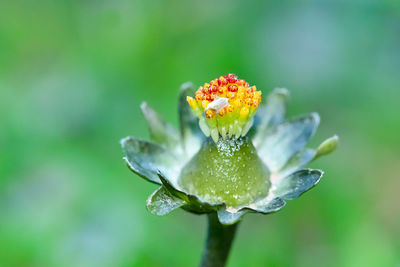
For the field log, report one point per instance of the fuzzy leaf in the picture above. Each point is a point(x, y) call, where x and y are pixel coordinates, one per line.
point(270, 114)
point(286, 140)
point(227, 218)
point(161, 202)
point(294, 185)
point(145, 159)
point(161, 132)
point(191, 134)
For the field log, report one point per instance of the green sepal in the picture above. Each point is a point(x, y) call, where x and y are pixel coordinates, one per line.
point(191, 135)
point(145, 159)
point(269, 115)
point(297, 183)
point(161, 132)
point(162, 202)
point(287, 139)
point(228, 218)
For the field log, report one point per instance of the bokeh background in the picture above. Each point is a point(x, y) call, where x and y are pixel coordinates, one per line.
point(72, 77)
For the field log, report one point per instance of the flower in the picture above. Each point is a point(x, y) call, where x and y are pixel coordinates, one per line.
point(232, 155)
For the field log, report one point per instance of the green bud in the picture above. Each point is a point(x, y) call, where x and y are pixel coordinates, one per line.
point(328, 146)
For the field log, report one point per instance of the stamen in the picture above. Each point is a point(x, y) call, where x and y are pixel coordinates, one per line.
point(225, 107)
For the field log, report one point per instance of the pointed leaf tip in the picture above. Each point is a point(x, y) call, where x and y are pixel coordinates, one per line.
point(187, 86)
point(143, 105)
point(282, 92)
point(297, 183)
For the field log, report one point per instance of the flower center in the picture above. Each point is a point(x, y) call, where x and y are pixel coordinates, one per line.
point(225, 107)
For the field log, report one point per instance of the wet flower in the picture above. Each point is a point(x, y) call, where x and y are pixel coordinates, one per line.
point(232, 154)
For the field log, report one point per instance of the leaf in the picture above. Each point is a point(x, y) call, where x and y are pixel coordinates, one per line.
point(267, 205)
point(287, 139)
point(145, 159)
point(270, 114)
point(161, 132)
point(191, 135)
point(294, 185)
point(227, 218)
point(297, 162)
point(161, 202)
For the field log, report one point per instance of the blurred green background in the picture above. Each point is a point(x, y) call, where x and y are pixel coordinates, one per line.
point(72, 77)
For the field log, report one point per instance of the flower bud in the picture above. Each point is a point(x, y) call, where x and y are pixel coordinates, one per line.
point(328, 146)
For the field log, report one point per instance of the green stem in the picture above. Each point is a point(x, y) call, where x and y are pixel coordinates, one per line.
point(218, 244)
